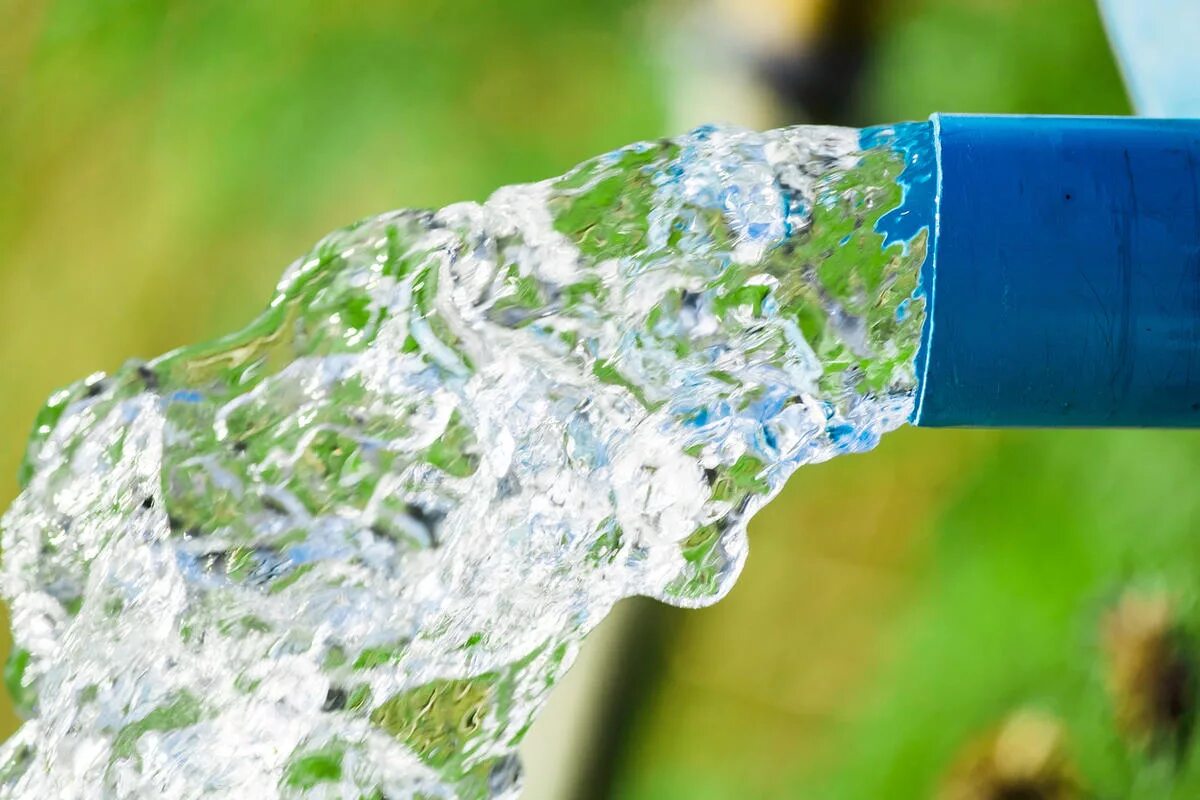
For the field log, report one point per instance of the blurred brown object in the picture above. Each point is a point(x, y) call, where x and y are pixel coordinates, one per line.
point(1151, 672)
point(1025, 757)
point(765, 63)
point(821, 78)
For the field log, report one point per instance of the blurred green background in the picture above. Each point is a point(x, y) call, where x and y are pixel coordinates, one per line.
point(958, 614)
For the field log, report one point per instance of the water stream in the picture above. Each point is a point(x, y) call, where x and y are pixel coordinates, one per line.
point(347, 551)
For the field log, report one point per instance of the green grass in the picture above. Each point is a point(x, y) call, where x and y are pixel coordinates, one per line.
point(1026, 562)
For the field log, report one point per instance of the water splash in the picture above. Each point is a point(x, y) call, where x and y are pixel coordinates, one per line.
point(347, 551)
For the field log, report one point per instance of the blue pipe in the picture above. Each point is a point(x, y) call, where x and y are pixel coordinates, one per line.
point(1063, 281)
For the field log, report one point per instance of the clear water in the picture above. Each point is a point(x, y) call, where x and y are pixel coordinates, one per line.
point(347, 551)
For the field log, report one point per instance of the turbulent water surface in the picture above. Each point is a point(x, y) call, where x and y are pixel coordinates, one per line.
point(347, 551)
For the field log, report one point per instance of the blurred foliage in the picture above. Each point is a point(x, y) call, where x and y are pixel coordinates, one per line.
point(1030, 554)
point(162, 162)
point(993, 56)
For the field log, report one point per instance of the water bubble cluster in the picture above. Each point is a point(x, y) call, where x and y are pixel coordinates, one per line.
point(348, 550)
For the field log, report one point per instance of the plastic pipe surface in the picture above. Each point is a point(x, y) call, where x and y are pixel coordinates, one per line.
point(1063, 283)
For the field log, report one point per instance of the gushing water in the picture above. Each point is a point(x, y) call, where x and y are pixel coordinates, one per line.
point(347, 551)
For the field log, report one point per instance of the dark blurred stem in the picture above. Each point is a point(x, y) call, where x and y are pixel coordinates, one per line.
point(628, 693)
point(823, 83)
